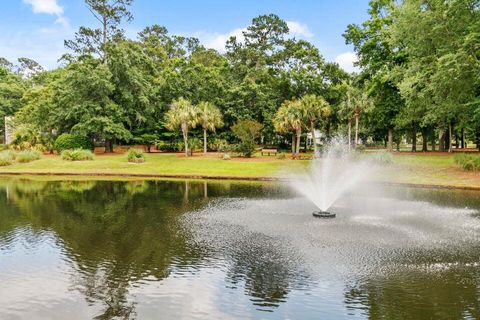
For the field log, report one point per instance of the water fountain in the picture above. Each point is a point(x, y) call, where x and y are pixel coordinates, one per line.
point(331, 176)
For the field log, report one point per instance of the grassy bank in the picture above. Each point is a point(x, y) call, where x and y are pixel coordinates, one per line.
point(428, 169)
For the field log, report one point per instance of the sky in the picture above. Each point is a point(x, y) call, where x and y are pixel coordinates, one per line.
point(37, 29)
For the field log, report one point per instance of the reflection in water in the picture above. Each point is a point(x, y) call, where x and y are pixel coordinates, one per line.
point(189, 249)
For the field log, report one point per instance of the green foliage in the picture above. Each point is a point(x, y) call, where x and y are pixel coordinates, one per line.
point(146, 139)
point(77, 155)
point(217, 144)
point(2, 147)
point(135, 156)
point(468, 162)
point(70, 141)
point(28, 156)
point(166, 146)
point(26, 137)
point(247, 131)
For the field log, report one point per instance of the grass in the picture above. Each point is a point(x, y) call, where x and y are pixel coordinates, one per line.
point(420, 168)
point(167, 164)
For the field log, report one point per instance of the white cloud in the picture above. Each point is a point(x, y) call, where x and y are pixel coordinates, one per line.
point(217, 40)
point(45, 6)
point(346, 61)
point(49, 7)
point(299, 29)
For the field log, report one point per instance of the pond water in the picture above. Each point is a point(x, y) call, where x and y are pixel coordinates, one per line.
point(230, 250)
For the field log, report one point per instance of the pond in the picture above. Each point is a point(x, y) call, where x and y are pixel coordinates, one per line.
point(234, 250)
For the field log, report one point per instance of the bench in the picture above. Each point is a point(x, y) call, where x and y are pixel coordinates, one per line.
point(269, 151)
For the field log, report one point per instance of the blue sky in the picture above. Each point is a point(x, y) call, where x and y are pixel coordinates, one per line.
point(37, 28)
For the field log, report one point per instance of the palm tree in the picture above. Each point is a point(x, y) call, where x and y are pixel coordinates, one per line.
point(184, 115)
point(291, 117)
point(210, 119)
point(356, 102)
point(315, 109)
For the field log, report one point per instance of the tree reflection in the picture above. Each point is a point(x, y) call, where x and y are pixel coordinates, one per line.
point(116, 233)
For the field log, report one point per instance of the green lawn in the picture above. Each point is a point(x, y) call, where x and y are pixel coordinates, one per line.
point(407, 168)
point(161, 164)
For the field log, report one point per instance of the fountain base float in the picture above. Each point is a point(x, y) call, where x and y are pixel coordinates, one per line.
point(323, 214)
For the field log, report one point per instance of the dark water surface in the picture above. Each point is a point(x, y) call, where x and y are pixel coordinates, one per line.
point(230, 250)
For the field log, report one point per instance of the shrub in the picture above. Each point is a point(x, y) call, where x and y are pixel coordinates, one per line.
point(194, 144)
point(2, 147)
point(468, 162)
point(383, 158)
point(28, 156)
point(69, 141)
point(5, 159)
point(227, 147)
point(247, 131)
point(135, 156)
point(217, 144)
point(165, 146)
point(281, 155)
point(77, 155)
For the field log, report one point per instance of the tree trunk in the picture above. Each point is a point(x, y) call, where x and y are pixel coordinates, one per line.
point(478, 139)
point(299, 136)
point(328, 128)
point(463, 138)
point(450, 128)
point(390, 139)
point(185, 138)
point(441, 140)
point(398, 145)
point(204, 141)
point(349, 134)
point(108, 146)
point(424, 140)
point(293, 144)
point(205, 189)
point(433, 140)
point(414, 139)
point(357, 116)
point(314, 141)
point(104, 32)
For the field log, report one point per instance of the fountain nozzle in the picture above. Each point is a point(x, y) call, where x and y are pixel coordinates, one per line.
point(323, 214)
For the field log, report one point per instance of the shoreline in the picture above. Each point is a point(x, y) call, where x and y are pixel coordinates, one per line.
point(219, 178)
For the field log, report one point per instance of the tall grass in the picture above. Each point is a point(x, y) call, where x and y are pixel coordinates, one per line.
point(468, 162)
point(28, 156)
